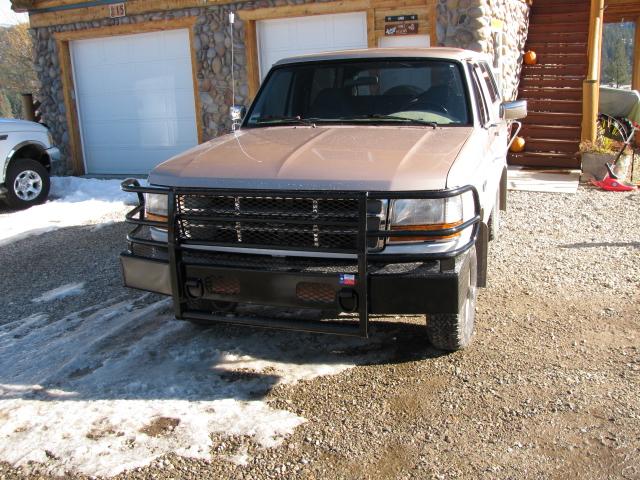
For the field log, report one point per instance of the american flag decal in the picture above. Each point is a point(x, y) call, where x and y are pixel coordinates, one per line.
point(347, 279)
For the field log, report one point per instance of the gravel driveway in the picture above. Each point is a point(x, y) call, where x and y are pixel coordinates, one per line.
point(548, 389)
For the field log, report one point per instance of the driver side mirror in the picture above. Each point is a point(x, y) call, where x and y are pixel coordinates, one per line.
point(516, 110)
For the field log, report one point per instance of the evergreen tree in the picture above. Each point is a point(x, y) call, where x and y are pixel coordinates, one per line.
point(617, 52)
point(618, 69)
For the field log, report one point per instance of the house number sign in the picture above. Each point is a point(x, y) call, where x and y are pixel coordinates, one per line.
point(401, 25)
point(117, 10)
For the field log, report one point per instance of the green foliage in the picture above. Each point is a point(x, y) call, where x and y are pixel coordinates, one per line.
point(617, 53)
point(602, 145)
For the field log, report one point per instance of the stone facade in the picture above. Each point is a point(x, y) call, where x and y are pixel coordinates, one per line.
point(468, 24)
point(461, 23)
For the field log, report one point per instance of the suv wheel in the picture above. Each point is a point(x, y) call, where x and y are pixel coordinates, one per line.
point(453, 331)
point(27, 183)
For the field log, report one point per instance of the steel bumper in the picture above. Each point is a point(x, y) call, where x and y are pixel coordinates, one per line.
point(416, 289)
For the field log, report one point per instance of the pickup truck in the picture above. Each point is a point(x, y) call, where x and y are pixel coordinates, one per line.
point(358, 183)
point(26, 156)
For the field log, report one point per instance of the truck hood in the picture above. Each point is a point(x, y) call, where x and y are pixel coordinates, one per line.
point(8, 125)
point(328, 158)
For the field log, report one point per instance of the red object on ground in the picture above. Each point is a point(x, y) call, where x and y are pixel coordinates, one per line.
point(611, 182)
point(612, 185)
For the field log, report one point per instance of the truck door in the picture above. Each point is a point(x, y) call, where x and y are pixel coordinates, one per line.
point(488, 99)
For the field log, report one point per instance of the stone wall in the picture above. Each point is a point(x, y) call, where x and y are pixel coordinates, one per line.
point(212, 47)
point(467, 24)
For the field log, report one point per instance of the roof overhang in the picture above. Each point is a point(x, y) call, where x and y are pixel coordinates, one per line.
point(621, 10)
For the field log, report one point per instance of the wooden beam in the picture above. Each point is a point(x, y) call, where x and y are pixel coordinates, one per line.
point(88, 14)
point(251, 54)
point(433, 23)
point(66, 71)
point(635, 83)
point(591, 86)
point(304, 10)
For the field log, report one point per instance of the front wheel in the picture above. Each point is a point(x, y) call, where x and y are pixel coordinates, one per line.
point(27, 183)
point(453, 331)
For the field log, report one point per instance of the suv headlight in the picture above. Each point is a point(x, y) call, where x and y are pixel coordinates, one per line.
point(425, 214)
point(156, 207)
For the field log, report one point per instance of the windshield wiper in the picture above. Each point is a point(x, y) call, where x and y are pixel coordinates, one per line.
point(381, 116)
point(297, 119)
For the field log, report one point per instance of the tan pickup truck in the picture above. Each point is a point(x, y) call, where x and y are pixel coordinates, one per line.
point(358, 183)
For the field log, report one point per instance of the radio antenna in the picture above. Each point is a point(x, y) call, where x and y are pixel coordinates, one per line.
point(232, 19)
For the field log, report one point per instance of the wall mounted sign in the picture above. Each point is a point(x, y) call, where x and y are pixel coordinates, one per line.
point(117, 10)
point(401, 24)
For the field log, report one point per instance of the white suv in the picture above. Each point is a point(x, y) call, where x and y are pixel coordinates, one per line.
point(26, 156)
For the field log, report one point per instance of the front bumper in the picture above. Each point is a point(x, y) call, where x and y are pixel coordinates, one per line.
point(414, 288)
point(366, 283)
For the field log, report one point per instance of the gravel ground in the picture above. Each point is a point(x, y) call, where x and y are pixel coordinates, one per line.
point(548, 389)
point(84, 253)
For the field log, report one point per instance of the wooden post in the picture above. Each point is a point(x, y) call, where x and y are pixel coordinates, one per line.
point(635, 79)
point(635, 84)
point(591, 85)
point(27, 107)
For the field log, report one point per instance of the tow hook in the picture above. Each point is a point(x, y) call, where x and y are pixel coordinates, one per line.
point(194, 287)
point(347, 300)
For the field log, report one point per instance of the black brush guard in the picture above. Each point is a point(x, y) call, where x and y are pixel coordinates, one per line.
point(362, 252)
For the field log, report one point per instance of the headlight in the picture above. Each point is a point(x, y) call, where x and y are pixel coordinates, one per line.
point(425, 214)
point(156, 207)
point(50, 138)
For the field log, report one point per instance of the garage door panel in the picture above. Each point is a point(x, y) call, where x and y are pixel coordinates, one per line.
point(138, 101)
point(288, 37)
point(104, 157)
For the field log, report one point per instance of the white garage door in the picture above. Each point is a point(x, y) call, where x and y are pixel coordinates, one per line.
point(288, 37)
point(135, 100)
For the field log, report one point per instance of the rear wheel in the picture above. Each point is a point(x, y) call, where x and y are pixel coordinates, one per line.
point(453, 331)
point(27, 183)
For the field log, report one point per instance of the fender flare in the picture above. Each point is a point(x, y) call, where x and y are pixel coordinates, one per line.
point(19, 146)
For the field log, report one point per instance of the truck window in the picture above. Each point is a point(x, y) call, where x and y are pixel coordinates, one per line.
point(490, 81)
point(481, 104)
point(349, 91)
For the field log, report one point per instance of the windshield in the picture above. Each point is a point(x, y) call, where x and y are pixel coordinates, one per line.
point(374, 91)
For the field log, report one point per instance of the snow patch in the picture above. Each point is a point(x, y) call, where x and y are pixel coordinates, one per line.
point(116, 386)
point(73, 201)
point(64, 291)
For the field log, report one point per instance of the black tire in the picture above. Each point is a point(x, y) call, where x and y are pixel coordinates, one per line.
point(27, 183)
point(454, 331)
point(494, 219)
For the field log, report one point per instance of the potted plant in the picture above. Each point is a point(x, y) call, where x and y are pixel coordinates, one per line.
point(604, 150)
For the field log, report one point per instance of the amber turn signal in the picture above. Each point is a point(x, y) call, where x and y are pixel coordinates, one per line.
point(430, 227)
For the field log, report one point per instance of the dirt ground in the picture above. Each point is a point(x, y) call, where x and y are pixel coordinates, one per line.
point(550, 387)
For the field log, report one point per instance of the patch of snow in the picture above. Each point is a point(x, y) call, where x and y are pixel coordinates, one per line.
point(116, 386)
point(73, 201)
point(78, 189)
point(64, 291)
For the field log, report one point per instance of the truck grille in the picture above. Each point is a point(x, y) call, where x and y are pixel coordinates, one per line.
point(286, 221)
